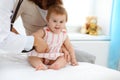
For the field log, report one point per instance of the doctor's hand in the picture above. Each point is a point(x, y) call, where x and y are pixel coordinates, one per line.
point(39, 44)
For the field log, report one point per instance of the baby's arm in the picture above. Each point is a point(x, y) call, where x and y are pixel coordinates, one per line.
point(70, 49)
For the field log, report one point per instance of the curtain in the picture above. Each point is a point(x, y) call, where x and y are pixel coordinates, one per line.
point(114, 50)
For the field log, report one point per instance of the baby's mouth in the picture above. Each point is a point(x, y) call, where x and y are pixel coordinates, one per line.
point(57, 28)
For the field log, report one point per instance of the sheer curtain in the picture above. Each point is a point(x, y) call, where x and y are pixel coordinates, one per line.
point(114, 51)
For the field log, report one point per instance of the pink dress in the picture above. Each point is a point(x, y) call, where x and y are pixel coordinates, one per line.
point(54, 41)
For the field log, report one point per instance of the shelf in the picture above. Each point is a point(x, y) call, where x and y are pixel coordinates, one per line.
point(85, 37)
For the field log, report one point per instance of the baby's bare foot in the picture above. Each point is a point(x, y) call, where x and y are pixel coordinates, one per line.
point(41, 67)
point(55, 67)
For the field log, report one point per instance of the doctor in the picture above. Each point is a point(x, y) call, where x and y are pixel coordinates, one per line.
point(33, 14)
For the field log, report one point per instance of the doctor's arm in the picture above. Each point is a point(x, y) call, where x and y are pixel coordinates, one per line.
point(9, 41)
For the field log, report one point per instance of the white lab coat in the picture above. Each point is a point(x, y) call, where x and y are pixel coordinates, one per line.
point(10, 42)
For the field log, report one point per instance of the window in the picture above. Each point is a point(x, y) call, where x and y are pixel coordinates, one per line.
point(78, 10)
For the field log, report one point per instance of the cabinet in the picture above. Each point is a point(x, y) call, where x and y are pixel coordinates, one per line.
point(96, 48)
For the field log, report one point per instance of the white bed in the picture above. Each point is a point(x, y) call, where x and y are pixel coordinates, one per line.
point(16, 67)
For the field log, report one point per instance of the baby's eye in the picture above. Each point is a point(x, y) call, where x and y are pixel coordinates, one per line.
point(61, 21)
point(54, 21)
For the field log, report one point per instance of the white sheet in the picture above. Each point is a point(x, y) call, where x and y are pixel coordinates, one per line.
point(16, 67)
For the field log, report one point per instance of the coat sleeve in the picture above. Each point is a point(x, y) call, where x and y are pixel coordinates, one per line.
point(9, 41)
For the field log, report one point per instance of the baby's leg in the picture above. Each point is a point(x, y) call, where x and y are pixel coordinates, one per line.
point(37, 63)
point(59, 63)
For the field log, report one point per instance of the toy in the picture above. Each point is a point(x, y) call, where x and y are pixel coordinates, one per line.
point(91, 26)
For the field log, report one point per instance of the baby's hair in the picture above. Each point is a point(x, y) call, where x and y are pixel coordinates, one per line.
point(57, 9)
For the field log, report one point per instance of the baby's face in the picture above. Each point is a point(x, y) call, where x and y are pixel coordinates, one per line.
point(57, 22)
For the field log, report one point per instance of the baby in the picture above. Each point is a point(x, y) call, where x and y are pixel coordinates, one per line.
point(55, 35)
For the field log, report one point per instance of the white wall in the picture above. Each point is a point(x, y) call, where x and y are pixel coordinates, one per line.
point(103, 12)
point(78, 10)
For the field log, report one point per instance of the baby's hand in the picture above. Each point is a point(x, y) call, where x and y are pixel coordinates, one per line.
point(74, 62)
